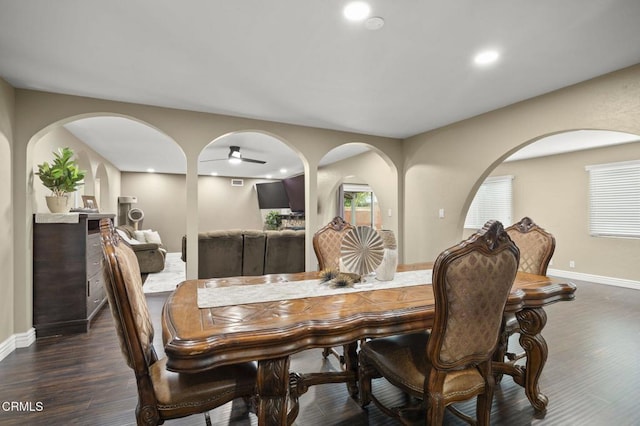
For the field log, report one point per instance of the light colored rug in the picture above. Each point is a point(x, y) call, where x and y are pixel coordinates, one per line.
point(167, 279)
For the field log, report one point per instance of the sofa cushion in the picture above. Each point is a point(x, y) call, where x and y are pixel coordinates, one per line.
point(284, 252)
point(220, 253)
point(253, 252)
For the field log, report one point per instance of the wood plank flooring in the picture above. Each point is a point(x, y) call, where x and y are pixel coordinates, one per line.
point(592, 376)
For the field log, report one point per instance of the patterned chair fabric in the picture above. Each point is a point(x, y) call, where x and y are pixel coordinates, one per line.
point(327, 243)
point(162, 394)
point(535, 244)
point(471, 285)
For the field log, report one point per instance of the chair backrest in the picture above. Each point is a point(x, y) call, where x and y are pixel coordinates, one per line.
point(327, 243)
point(471, 284)
point(127, 302)
point(535, 244)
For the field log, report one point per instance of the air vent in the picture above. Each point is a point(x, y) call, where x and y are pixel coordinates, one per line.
point(237, 182)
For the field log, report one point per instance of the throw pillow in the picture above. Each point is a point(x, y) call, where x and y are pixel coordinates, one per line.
point(126, 238)
point(140, 235)
point(152, 237)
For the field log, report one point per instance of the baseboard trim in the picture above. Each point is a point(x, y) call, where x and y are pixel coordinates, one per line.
point(599, 279)
point(20, 340)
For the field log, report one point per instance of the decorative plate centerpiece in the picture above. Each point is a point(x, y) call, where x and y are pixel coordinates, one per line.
point(362, 250)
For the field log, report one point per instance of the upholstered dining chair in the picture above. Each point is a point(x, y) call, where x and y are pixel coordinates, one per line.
point(536, 249)
point(453, 362)
point(327, 244)
point(162, 394)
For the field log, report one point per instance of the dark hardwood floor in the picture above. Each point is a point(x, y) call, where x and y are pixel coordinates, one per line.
point(592, 375)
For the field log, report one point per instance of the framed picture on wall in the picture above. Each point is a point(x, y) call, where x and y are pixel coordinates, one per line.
point(89, 202)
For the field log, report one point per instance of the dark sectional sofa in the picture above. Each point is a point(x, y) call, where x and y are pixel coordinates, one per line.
point(236, 252)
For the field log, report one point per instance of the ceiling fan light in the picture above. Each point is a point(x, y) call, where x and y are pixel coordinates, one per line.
point(235, 160)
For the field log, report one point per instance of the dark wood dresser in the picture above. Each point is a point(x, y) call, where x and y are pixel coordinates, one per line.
point(68, 272)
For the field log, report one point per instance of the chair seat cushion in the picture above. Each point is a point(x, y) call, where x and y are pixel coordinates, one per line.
point(177, 391)
point(402, 361)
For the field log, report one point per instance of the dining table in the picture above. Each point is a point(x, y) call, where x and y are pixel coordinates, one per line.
point(207, 323)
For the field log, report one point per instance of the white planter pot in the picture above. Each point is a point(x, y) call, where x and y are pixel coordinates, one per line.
point(58, 204)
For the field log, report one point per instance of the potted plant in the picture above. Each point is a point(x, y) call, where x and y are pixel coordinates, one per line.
point(62, 176)
point(273, 220)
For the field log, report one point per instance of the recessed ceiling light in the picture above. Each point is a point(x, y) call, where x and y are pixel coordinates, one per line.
point(151, 170)
point(486, 57)
point(268, 176)
point(214, 173)
point(283, 170)
point(356, 11)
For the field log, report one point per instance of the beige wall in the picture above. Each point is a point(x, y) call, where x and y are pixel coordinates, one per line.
point(220, 205)
point(553, 191)
point(37, 113)
point(88, 160)
point(444, 167)
point(6, 214)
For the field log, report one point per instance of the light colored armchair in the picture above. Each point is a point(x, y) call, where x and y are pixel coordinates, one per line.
point(151, 256)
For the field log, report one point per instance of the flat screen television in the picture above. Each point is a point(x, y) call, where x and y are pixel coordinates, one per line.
point(295, 192)
point(272, 195)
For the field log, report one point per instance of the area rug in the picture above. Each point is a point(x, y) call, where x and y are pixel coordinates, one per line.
point(167, 279)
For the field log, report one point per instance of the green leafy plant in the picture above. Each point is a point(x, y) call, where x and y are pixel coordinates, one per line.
point(63, 175)
point(273, 220)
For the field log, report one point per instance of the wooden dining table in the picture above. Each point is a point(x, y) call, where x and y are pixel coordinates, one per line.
point(269, 332)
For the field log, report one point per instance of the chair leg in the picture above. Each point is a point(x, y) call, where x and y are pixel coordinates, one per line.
point(435, 409)
point(483, 408)
point(207, 418)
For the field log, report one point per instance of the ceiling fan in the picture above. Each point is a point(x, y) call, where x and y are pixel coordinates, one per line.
point(236, 157)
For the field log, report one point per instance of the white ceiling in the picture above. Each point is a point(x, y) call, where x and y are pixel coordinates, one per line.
point(300, 62)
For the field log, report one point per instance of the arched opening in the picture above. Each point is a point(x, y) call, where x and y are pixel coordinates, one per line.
point(359, 183)
point(551, 185)
point(239, 186)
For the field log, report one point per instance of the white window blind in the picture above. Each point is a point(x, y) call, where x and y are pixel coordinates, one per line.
point(614, 203)
point(492, 201)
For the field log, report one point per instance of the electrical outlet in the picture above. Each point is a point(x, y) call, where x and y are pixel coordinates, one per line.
point(572, 264)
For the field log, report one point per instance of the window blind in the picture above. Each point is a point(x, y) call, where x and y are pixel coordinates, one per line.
point(492, 201)
point(614, 199)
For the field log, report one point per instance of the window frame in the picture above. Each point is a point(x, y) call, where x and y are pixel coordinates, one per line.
point(614, 199)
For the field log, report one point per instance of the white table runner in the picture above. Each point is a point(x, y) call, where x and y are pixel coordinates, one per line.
point(214, 297)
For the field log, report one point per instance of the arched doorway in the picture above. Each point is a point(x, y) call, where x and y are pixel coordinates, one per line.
point(234, 171)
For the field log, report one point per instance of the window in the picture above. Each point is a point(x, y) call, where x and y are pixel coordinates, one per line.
point(492, 201)
point(359, 205)
point(614, 199)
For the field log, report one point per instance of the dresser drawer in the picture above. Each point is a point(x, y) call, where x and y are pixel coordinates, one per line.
point(95, 258)
point(95, 291)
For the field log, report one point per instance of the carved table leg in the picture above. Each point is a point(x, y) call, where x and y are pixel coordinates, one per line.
point(351, 365)
point(532, 321)
point(273, 387)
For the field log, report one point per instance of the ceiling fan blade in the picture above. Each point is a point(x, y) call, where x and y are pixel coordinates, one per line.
point(214, 159)
point(251, 160)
